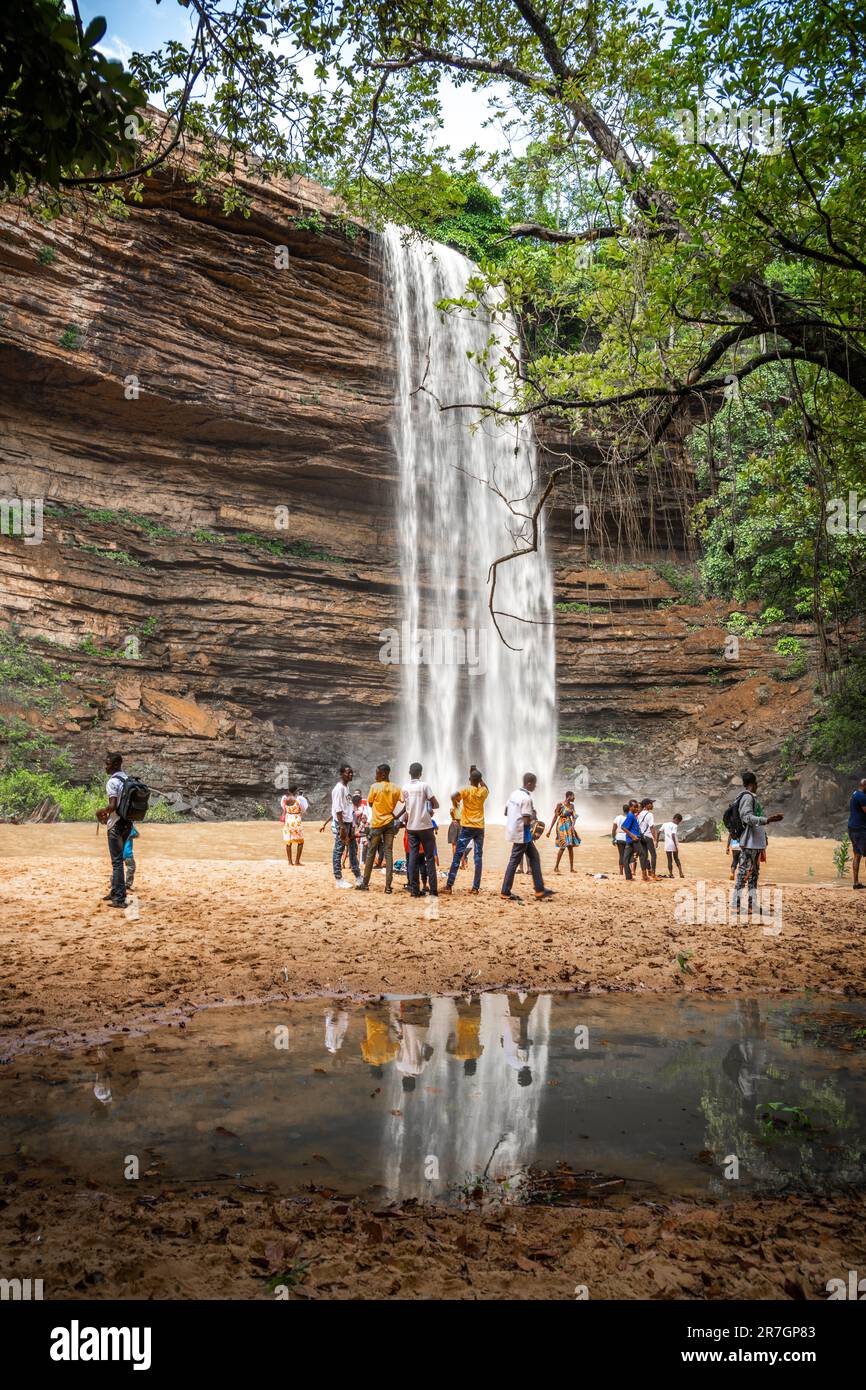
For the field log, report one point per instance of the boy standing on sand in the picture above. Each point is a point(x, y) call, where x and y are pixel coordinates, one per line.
point(672, 845)
point(384, 798)
point(118, 828)
point(520, 821)
point(753, 841)
point(342, 825)
point(471, 802)
point(857, 829)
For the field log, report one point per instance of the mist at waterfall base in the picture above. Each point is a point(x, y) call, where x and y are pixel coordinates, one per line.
point(495, 704)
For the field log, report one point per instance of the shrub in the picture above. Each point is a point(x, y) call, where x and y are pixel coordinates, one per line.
point(838, 731)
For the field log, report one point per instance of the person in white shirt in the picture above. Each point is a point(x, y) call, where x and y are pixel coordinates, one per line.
point(342, 824)
point(520, 819)
point(646, 820)
point(419, 801)
point(672, 845)
point(618, 835)
point(119, 829)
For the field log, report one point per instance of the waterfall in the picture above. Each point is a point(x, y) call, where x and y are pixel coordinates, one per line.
point(465, 696)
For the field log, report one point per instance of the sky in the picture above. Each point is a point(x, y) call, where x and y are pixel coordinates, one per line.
point(142, 25)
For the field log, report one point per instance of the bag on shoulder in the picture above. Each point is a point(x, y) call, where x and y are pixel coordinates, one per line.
point(731, 818)
point(134, 799)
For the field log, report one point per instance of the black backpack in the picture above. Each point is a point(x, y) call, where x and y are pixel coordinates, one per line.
point(731, 818)
point(133, 801)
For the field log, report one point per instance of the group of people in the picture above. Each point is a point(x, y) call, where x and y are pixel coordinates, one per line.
point(365, 829)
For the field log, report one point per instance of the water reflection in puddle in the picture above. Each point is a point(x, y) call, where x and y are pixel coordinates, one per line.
point(421, 1097)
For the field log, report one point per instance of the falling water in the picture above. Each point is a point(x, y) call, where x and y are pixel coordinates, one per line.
point(466, 696)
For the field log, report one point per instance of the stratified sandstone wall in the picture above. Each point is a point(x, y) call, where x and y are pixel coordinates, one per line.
point(174, 389)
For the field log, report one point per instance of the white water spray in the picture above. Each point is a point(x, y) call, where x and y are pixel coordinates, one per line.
point(466, 697)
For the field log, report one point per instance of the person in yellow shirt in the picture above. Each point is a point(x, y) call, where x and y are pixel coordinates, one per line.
point(383, 799)
point(471, 802)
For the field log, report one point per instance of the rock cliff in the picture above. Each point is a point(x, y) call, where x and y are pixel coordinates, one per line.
point(203, 402)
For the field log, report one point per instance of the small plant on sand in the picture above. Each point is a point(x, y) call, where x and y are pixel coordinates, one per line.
point(842, 856)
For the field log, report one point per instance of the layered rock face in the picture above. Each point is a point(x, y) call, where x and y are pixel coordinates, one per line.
point(203, 401)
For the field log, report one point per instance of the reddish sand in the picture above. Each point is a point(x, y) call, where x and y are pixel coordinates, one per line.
point(218, 915)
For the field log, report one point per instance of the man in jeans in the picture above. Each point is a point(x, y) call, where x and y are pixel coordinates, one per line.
point(752, 841)
point(419, 801)
point(119, 829)
point(520, 819)
point(471, 800)
point(383, 800)
point(343, 825)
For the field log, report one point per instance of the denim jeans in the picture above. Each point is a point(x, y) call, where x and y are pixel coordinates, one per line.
point(533, 859)
point(337, 856)
point(650, 848)
point(469, 834)
point(117, 838)
point(423, 840)
point(381, 837)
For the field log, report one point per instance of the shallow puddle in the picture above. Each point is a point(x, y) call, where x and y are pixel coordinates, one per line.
point(434, 1098)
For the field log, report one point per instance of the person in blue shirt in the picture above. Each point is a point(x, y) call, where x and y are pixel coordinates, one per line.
point(857, 829)
point(634, 844)
point(129, 859)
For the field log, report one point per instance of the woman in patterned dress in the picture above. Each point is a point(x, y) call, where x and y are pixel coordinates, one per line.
point(564, 818)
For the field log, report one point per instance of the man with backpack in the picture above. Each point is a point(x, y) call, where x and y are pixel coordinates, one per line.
point(745, 821)
point(127, 802)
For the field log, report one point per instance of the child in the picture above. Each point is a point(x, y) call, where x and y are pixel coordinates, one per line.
point(293, 807)
point(454, 835)
point(733, 847)
point(672, 845)
point(362, 824)
point(129, 858)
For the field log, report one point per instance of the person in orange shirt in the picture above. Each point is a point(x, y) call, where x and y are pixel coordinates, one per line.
point(383, 799)
point(471, 801)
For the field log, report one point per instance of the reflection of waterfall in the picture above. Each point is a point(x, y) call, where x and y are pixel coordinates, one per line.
point(467, 1100)
point(467, 698)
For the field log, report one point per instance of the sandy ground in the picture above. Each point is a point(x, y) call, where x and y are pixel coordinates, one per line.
point(88, 1244)
point(219, 916)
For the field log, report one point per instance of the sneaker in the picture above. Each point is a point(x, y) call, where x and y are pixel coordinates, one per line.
point(359, 880)
point(115, 903)
point(511, 897)
point(361, 886)
point(545, 893)
point(341, 883)
point(389, 890)
point(108, 898)
point(445, 888)
point(473, 892)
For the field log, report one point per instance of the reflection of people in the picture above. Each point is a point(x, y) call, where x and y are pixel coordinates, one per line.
point(515, 1039)
point(464, 1043)
point(116, 1075)
point(336, 1025)
point(410, 1020)
point(379, 1045)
